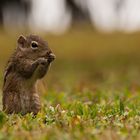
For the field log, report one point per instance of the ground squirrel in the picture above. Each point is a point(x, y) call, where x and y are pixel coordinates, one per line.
point(29, 62)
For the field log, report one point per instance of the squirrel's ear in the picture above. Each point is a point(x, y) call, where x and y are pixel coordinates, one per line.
point(21, 40)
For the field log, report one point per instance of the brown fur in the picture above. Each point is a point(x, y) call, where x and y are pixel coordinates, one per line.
point(24, 68)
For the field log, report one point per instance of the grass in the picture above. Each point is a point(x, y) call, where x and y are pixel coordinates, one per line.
point(92, 90)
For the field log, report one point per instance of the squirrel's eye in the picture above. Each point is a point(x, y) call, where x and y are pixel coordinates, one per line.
point(34, 45)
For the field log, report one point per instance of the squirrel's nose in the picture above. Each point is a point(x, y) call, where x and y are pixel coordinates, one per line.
point(51, 57)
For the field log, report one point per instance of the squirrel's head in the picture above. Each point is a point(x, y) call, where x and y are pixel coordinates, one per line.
point(33, 47)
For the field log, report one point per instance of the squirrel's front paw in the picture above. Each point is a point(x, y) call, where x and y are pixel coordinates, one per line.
point(42, 61)
point(42, 68)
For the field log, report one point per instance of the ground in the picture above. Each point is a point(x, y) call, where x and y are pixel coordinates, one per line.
point(92, 90)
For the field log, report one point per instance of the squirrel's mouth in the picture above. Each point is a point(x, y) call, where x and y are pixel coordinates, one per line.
point(50, 57)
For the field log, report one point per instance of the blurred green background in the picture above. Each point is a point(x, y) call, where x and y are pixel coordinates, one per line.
point(84, 55)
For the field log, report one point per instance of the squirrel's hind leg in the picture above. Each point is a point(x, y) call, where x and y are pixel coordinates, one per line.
point(11, 103)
